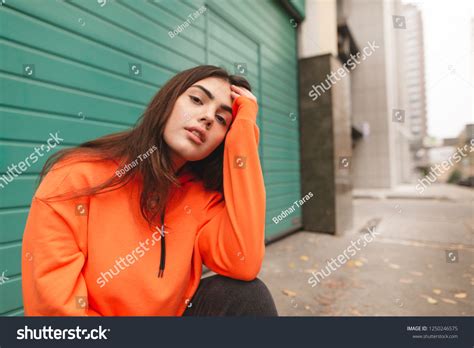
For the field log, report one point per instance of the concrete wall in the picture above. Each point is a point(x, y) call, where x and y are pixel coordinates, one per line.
point(325, 140)
point(382, 159)
point(318, 32)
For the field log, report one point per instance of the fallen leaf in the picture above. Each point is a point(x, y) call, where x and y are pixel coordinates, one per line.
point(358, 263)
point(460, 295)
point(307, 307)
point(289, 293)
point(304, 258)
point(291, 265)
point(437, 291)
point(416, 273)
point(406, 281)
point(350, 263)
point(325, 301)
point(394, 266)
point(447, 300)
point(429, 299)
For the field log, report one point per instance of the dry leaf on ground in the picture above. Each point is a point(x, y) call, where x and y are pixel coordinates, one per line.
point(289, 293)
point(460, 295)
point(429, 299)
point(406, 281)
point(448, 300)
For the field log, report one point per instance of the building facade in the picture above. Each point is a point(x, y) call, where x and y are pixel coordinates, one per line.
point(381, 159)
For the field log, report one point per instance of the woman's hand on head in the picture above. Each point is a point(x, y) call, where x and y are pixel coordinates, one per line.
point(236, 92)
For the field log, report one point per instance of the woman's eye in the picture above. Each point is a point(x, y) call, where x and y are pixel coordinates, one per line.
point(195, 100)
point(221, 119)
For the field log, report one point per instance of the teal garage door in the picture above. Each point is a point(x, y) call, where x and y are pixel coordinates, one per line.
point(76, 70)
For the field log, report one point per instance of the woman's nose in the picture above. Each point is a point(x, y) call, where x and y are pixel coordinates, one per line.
point(207, 121)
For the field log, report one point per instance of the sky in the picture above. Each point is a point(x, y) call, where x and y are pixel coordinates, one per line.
point(449, 65)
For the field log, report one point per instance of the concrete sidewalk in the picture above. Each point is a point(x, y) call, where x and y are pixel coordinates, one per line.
point(437, 192)
point(421, 262)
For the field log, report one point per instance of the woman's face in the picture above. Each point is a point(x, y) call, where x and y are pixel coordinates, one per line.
point(199, 121)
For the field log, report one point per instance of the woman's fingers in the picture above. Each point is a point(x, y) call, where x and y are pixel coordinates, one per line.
point(235, 90)
point(234, 95)
point(240, 90)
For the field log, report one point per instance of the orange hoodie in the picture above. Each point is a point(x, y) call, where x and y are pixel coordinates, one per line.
point(97, 256)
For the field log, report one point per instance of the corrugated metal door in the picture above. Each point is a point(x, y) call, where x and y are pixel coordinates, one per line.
point(82, 69)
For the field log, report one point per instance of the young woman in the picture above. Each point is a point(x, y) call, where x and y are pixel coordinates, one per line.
point(121, 225)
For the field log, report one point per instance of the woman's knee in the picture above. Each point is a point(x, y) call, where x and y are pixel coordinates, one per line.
point(238, 287)
point(252, 297)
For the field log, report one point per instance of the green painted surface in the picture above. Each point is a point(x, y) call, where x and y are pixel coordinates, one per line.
point(298, 6)
point(82, 87)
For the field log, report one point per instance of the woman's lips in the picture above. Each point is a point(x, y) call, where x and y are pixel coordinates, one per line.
point(194, 137)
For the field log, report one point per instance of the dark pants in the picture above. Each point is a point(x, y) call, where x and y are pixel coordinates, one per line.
point(222, 296)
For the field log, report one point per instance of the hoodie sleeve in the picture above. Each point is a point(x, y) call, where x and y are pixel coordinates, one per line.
point(54, 252)
point(231, 239)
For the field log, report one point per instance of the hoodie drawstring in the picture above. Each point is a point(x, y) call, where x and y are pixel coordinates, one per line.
point(163, 247)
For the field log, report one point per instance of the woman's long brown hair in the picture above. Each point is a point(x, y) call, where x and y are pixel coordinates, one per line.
point(156, 171)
